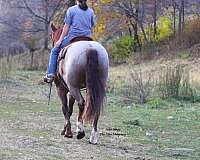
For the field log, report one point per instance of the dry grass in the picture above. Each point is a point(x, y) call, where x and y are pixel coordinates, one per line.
point(122, 80)
point(121, 72)
point(170, 81)
point(23, 61)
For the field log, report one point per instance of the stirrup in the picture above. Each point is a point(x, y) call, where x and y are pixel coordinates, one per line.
point(48, 78)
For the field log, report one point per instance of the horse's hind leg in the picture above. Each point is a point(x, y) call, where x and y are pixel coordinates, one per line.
point(67, 113)
point(81, 103)
point(94, 134)
point(71, 101)
point(80, 128)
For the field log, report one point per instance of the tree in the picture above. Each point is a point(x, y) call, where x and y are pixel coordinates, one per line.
point(31, 42)
point(39, 12)
point(48, 10)
point(131, 9)
point(183, 13)
point(181, 18)
point(155, 19)
point(60, 15)
point(174, 5)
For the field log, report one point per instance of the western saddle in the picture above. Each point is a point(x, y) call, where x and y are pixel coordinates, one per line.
point(76, 39)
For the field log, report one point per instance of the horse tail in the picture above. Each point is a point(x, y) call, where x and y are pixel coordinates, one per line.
point(95, 88)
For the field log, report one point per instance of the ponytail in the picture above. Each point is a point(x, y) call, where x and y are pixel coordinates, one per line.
point(83, 4)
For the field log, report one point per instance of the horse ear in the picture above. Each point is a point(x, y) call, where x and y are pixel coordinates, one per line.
point(53, 27)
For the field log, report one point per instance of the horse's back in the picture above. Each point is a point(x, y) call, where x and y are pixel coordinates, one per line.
point(76, 59)
point(77, 51)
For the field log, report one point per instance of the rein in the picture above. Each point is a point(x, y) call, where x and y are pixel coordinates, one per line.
point(50, 88)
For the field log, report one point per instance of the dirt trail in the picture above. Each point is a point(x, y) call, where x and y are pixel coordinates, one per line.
point(31, 130)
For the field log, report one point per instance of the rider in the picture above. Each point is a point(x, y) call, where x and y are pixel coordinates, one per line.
point(79, 21)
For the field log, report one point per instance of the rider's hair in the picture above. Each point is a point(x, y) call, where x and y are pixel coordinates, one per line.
point(83, 4)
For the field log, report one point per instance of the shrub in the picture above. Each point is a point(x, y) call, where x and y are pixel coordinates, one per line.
point(122, 49)
point(175, 83)
point(191, 32)
point(164, 30)
point(139, 88)
point(170, 82)
point(187, 92)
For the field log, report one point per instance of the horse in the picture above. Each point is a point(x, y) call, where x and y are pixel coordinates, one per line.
point(85, 65)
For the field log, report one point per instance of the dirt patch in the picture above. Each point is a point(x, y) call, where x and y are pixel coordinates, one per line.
point(31, 130)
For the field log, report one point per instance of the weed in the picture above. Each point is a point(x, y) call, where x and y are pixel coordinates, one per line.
point(170, 81)
point(139, 87)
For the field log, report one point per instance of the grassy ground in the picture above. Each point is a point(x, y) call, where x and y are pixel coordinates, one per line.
point(159, 130)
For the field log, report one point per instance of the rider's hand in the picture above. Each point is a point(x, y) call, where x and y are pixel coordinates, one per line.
point(58, 43)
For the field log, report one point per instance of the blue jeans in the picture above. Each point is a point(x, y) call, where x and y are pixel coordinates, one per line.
point(52, 67)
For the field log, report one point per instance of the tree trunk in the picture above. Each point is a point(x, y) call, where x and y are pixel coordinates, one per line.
point(46, 37)
point(136, 37)
point(32, 54)
point(183, 14)
point(135, 27)
point(8, 58)
point(174, 19)
point(130, 31)
point(155, 19)
point(180, 24)
point(143, 31)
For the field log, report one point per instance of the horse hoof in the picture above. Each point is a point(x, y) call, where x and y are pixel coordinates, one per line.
point(68, 136)
point(92, 143)
point(81, 135)
point(63, 133)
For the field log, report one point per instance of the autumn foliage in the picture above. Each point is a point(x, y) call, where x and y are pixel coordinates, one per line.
point(191, 32)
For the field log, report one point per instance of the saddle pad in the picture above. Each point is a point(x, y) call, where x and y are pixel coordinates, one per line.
point(76, 39)
point(63, 53)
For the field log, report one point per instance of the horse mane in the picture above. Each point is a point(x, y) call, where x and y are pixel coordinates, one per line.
point(56, 34)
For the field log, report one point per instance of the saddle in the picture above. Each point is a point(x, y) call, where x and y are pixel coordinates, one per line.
point(76, 39)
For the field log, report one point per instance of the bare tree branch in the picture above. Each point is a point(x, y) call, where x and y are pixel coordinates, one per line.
point(55, 9)
point(32, 12)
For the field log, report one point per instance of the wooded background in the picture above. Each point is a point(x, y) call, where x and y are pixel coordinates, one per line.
point(134, 25)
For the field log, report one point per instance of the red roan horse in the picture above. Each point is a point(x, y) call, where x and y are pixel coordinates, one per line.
point(85, 65)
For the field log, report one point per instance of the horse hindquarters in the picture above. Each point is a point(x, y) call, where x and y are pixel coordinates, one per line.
point(95, 88)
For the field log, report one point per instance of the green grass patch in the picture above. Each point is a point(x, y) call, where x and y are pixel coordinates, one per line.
point(168, 128)
point(175, 126)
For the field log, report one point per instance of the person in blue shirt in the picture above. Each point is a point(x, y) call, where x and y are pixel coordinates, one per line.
point(79, 21)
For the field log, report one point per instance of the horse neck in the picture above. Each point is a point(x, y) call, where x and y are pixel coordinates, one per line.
point(57, 34)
